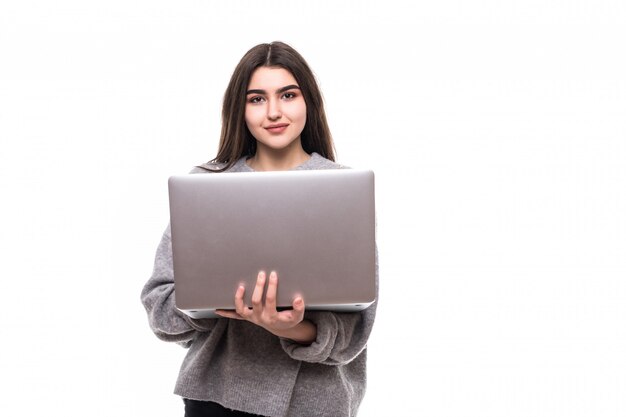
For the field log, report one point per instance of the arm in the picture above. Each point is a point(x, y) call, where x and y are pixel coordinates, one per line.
point(303, 333)
point(157, 296)
point(340, 337)
point(316, 336)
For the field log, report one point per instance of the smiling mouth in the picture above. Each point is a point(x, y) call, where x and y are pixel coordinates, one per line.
point(277, 128)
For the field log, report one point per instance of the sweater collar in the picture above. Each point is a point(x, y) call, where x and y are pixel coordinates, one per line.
point(242, 166)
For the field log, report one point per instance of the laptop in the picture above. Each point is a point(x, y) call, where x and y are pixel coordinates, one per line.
point(315, 228)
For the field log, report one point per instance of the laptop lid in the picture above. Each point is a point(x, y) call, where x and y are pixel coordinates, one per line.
point(315, 228)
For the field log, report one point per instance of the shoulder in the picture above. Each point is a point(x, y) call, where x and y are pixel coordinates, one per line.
point(212, 167)
point(207, 167)
point(319, 162)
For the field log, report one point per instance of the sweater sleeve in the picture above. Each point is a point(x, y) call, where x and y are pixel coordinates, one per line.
point(341, 337)
point(158, 298)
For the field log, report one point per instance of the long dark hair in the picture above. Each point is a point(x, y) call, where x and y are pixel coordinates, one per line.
point(236, 140)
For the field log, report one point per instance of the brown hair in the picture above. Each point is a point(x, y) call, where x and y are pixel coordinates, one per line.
point(236, 140)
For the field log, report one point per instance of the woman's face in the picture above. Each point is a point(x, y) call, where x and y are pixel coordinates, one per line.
point(275, 108)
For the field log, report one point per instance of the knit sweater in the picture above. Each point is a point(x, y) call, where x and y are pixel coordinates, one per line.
point(244, 367)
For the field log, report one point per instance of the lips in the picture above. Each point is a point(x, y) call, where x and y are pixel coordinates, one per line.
point(277, 128)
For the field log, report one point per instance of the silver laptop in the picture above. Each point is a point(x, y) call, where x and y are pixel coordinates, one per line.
point(316, 229)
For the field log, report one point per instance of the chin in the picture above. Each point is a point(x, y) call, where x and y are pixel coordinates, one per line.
point(278, 146)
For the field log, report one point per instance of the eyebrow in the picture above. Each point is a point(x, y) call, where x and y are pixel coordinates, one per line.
point(280, 90)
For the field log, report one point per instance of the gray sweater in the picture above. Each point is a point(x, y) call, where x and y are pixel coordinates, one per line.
point(244, 367)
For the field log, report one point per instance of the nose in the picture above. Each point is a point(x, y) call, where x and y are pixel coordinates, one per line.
point(273, 110)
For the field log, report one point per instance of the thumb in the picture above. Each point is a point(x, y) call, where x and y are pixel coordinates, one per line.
point(298, 307)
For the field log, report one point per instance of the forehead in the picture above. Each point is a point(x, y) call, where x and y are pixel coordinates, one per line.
point(270, 78)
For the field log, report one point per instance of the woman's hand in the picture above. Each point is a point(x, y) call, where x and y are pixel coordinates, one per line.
point(288, 324)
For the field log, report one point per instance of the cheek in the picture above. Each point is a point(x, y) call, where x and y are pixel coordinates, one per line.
point(251, 117)
point(300, 112)
point(301, 119)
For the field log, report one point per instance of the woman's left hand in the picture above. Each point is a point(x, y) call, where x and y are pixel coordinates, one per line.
point(289, 323)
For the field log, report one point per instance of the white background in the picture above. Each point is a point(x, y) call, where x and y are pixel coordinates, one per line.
point(497, 131)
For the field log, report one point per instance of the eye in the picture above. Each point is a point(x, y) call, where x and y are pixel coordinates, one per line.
point(255, 99)
point(289, 95)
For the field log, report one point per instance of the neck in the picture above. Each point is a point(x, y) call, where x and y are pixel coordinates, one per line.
point(266, 159)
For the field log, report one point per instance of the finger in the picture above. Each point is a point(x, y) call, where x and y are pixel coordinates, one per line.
point(296, 315)
point(229, 314)
point(240, 307)
point(257, 295)
point(270, 296)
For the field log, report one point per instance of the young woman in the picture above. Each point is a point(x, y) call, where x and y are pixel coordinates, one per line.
point(256, 360)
